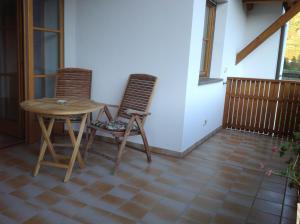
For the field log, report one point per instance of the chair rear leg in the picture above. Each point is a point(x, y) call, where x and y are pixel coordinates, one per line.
point(89, 143)
point(88, 122)
point(120, 153)
point(145, 141)
point(123, 144)
point(146, 146)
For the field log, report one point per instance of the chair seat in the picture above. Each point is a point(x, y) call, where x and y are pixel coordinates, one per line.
point(114, 125)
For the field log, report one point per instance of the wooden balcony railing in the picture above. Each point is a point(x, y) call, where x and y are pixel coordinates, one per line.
point(263, 106)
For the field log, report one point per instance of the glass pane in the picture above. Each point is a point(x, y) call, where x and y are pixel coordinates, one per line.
point(46, 53)
point(206, 22)
point(44, 87)
point(46, 14)
point(9, 81)
point(203, 52)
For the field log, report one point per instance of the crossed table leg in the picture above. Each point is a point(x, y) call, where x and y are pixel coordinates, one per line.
point(47, 144)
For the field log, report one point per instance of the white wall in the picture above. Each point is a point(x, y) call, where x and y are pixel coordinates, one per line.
point(241, 28)
point(116, 38)
point(236, 24)
point(262, 62)
point(204, 103)
point(70, 33)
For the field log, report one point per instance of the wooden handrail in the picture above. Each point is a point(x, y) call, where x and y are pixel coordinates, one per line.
point(268, 80)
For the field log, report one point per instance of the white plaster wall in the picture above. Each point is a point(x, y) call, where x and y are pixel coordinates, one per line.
point(70, 44)
point(236, 23)
point(116, 38)
point(262, 62)
point(241, 28)
point(204, 103)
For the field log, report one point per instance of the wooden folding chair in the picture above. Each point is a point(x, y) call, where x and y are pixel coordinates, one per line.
point(74, 83)
point(130, 117)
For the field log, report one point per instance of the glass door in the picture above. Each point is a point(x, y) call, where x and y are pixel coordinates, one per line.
point(45, 51)
point(47, 45)
point(47, 33)
point(11, 69)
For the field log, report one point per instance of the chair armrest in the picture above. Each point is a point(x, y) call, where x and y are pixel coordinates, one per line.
point(107, 105)
point(105, 110)
point(136, 112)
point(111, 105)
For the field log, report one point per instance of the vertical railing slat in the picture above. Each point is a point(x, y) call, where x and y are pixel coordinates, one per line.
point(227, 103)
point(232, 103)
point(273, 100)
point(241, 104)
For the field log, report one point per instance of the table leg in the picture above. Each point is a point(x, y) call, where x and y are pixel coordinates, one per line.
point(76, 147)
point(73, 140)
point(43, 144)
point(46, 137)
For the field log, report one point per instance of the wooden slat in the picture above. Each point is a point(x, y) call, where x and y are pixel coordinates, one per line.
point(259, 105)
point(73, 82)
point(250, 105)
point(236, 103)
point(264, 106)
point(254, 106)
point(268, 32)
point(232, 102)
point(297, 113)
point(246, 103)
point(240, 105)
point(280, 108)
point(289, 105)
point(227, 103)
point(137, 95)
point(284, 109)
point(272, 104)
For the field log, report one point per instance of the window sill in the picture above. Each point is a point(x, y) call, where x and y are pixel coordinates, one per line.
point(205, 81)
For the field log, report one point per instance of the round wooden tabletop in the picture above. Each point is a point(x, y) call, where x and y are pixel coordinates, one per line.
point(54, 106)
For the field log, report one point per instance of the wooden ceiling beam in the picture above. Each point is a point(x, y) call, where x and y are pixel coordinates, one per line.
point(294, 9)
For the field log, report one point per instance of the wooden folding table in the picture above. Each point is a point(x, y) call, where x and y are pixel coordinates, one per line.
point(56, 109)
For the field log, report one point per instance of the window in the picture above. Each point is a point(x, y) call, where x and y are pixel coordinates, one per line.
point(208, 34)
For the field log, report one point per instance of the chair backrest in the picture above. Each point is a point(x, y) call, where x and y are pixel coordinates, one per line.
point(73, 82)
point(138, 94)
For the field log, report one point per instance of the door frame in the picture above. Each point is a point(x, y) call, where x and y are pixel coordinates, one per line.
point(32, 130)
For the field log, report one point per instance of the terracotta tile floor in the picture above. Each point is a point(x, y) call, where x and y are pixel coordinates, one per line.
point(219, 182)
